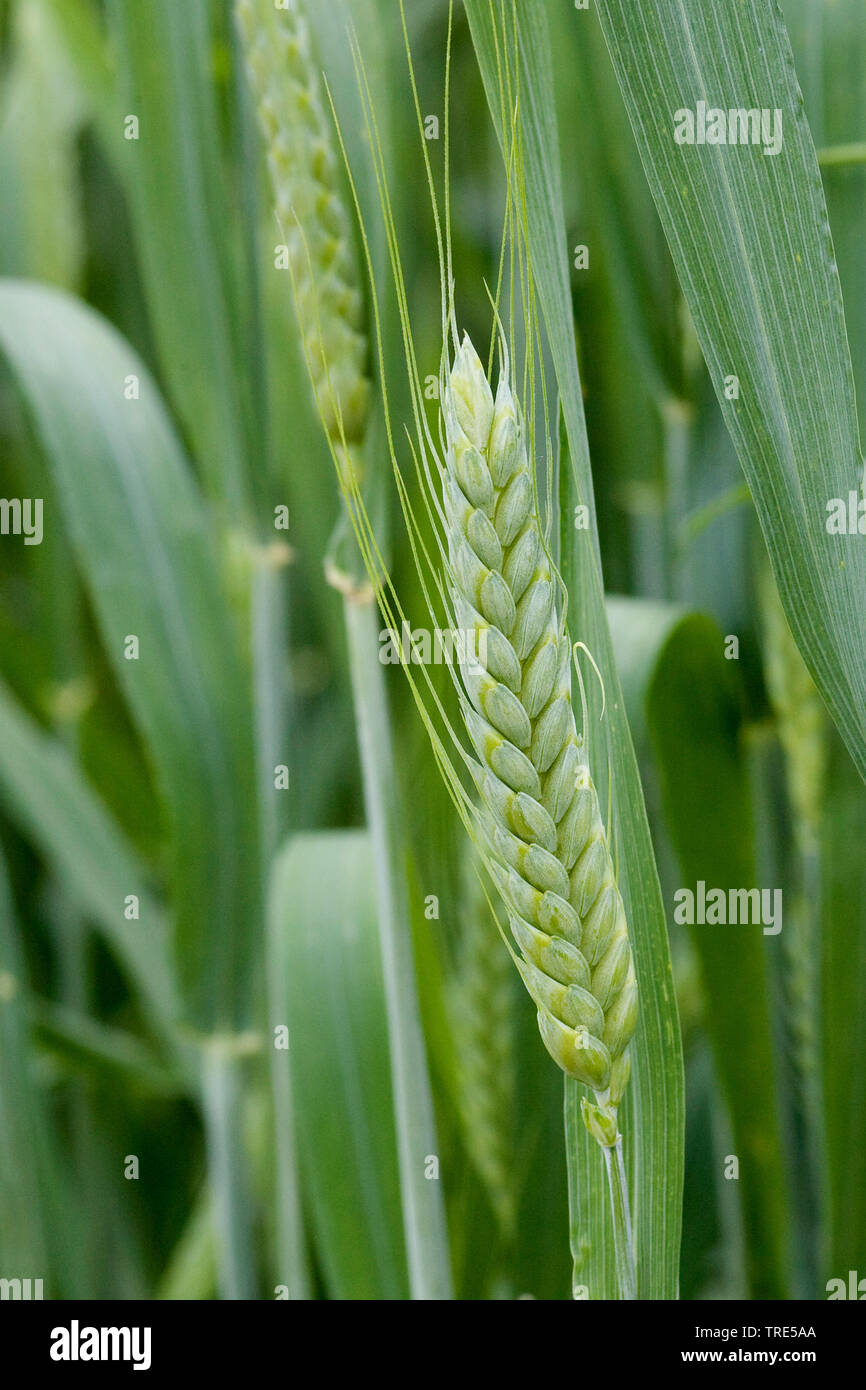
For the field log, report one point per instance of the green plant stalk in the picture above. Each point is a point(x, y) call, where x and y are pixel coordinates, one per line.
point(835, 156)
point(677, 431)
point(423, 1208)
point(293, 1267)
point(269, 641)
point(255, 572)
point(227, 1168)
point(623, 1237)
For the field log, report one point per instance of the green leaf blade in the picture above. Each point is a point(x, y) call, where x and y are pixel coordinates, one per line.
point(693, 711)
point(141, 538)
point(54, 806)
point(183, 218)
point(324, 951)
point(750, 239)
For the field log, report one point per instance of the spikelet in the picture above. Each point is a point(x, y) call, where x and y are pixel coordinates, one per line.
point(540, 811)
point(481, 1005)
point(313, 213)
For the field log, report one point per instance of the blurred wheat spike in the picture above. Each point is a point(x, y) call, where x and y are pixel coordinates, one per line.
point(481, 1004)
point(549, 851)
point(314, 214)
point(801, 721)
point(800, 714)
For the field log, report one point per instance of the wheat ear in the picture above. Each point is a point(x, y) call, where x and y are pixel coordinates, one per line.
point(305, 174)
point(481, 1006)
point(802, 728)
point(801, 722)
point(313, 213)
point(548, 847)
point(800, 716)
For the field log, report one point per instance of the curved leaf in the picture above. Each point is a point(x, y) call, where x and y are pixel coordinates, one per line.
point(55, 808)
point(749, 235)
point(140, 534)
point(324, 949)
point(182, 215)
point(686, 695)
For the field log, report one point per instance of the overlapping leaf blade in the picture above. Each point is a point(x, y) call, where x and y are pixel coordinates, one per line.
point(141, 537)
point(686, 695)
point(35, 1233)
point(751, 242)
point(829, 41)
point(185, 227)
point(45, 793)
point(325, 954)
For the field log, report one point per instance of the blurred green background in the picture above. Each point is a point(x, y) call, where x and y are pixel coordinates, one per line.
point(159, 914)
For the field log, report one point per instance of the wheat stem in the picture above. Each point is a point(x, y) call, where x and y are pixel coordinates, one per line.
point(293, 1265)
point(227, 1168)
point(623, 1238)
point(423, 1209)
point(834, 156)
